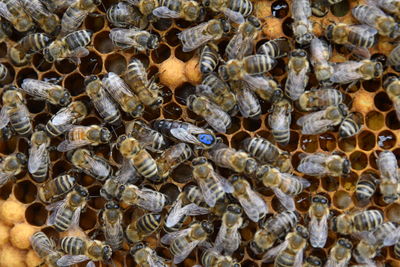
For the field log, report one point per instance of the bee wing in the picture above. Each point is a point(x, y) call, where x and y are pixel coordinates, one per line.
point(75, 54)
point(248, 103)
point(98, 167)
point(288, 176)
point(149, 200)
point(165, 12)
point(315, 116)
point(286, 201)
point(55, 207)
point(391, 238)
point(271, 254)
point(184, 135)
point(209, 195)
point(188, 42)
point(113, 233)
point(36, 156)
point(68, 145)
point(238, 47)
point(178, 258)
point(313, 165)
point(226, 185)
point(221, 236)
point(253, 205)
point(217, 118)
point(4, 12)
point(127, 173)
point(257, 81)
point(63, 117)
point(35, 87)
point(236, 17)
point(4, 118)
point(175, 214)
point(318, 231)
point(4, 177)
point(68, 260)
point(346, 72)
point(75, 218)
point(168, 238)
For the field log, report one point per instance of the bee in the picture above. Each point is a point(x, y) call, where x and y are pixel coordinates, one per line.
point(54, 188)
point(10, 166)
point(122, 94)
point(65, 118)
point(235, 10)
point(388, 168)
point(217, 91)
point(318, 227)
point(112, 225)
point(203, 33)
point(172, 158)
point(184, 241)
point(124, 15)
point(351, 125)
point(320, 164)
point(71, 46)
point(185, 9)
point(15, 112)
point(218, 119)
point(322, 121)
point(147, 90)
point(320, 55)
point(4, 74)
point(5, 133)
point(145, 256)
point(52, 93)
point(270, 91)
point(312, 261)
point(284, 185)
point(211, 258)
point(392, 88)
point(142, 227)
point(151, 139)
point(45, 248)
point(279, 120)
point(14, 12)
point(102, 101)
point(141, 40)
point(362, 36)
point(359, 221)
point(144, 198)
point(79, 136)
point(228, 238)
point(241, 44)
point(76, 13)
point(320, 99)
point(366, 186)
point(227, 157)
point(186, 132)
point(209, 58)
point(247, 101)
point(145, 7)
point(82, 249)
point(39, 157)
point(276, 48)
point(22, 51)
point(389, 6)
point(376, 18)
point(212, 185)
point(352, 71)
point(321, 7)
point(266, 152)
point(272, 229)
point(302, 27)
point(297, 79)
point(66, 213)
point(90, 164)
point(340, 253)
point(47, 21)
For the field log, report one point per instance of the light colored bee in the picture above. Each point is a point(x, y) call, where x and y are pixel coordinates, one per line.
point(45, 248)
point(112, 225)
point(320, 55)
point(356, 222)
point(147, 90)
point(125, 15)
point(15, 113)
point(186, 132)
point(184, 241)
point(362, 36)
point(284, 185)
point(71, 46)
point(145, 256)
point(203, 33)
point(247, 101)
point(212, 185)
point(279, 120)
point(389, 172)
point(144, 198)
point(142, 227)
point(318, 226)
point(228, 238)
point(4, 74)
point(312, 261)
point(55, 188)
point(302, 27)
point(90, 164)
point(151, 139)
point(211, 258)
point(66, 213)
point(79, 136)
point(320, 164)
point(366, 186)
point(272, 229)
point(209, 58)
point(65, 118)
point(218, 119)
point(145, 7)
point(318, 99)
point(297, 79)
point(235, 10)
point(82, 249)
point(21, 52)
point(39, 157)
point(185, 9)
point(389, 6)
point(122, 94)
point(13, 11)
point(392, 88)
point(351, 125)
point(52, 93)
point(141, 40)
point(276, 48)
point(353, 71)
point(340, 253)
point(172, 158)
point(76, 13)
point(241, 44)
point(47, 21)
point(10, 166)
point(57, 5)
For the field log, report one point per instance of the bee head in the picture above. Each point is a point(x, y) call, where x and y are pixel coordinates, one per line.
point(234, 178)
point(47, 54)
point(89, 79)
point(190, 101)
point(21, 158)
point(314, 261)
point(378, 69)
point(106, 253)
point(329, 31)
point(346, 166)
point(226, 26)
point(234, 208)
point(105, 135)
point(138, 111)
point(223, 73)
point(207, 227)
point(345, 243)
point(65, 99)
point(298, 53)
point(302, 231)
point(111, 205)
point(320, 199)
point(254, 21)
point(389, 80)
point(152, 42)
point(82, 191)
point(199, 161)
point(136, 248)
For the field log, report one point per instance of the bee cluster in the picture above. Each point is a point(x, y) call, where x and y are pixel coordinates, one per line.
point(277, 147)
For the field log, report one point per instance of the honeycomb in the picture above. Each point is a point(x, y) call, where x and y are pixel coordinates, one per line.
point(178, 74)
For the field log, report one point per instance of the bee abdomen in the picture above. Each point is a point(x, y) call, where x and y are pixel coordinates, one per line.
point(368, 220)
point(21, 124)
point(52, 130)
point(362, 41)
point(64, 183)
point(244, 7)
point(73, 245)
point(78, 39)
point(149, 223)
point(281, 136)
point(208, 60)
point(285, 259)
point(41, 174)
point(365, 189)
point(63, 220)
point(41, 238)
point(178, 246)
point(70, 20)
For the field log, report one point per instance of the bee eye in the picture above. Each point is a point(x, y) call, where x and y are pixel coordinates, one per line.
point(315, 199)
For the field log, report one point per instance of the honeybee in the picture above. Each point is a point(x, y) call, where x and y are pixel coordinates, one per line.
point(352, 71)
point(186, 132)
point(82, 249)
point(10, 166)
point(71, 46)
point(276, 48)
point(211, 258)
point(322, 121)
point(392, 88)
point(47, 21)
point(212, 185)
point(39, 157)
point(297, 79)
point(318, 99)
point(66, 213)
point(270, 91)
point(209, 58)
point(79, 136)
point(184, 241)
point(141, 40)
point(112, 225)
point(272, 229)
point(340, 253)
point(388, 168)
point(65, 118)
point(90, 164)
point(145, 256)
point(355, 222)
point(121, 93)
point(15, 112)
point(203, 33)
point(302, 27)
point(241, 44)
point(149, 138)
point(147, 90)
point(247, 101)
point(321, 7)
point(76, 13)
point(186, 9)
point(5, 133)
point(124, 15)
point(54, 188)
point(376, 18)
point(389, 6)
point(145, 7)
point(14, 12)
point(312, 261)
point(52, 93)
point(144, 198)
point(320, 54)
point(217, 91)
point(366, 186)
point(172, 158)
point(279, 120)
point(142, 227)
point(235, 10)
point(318, 227)
point(4, 74)
point(351, 125)
point(266, 152)
point(362, 36)
point(320, 164)
point(45, 248)
point(218, 119)
point(22, 51)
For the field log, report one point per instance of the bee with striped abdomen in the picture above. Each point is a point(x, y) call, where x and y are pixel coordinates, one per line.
point(171, 158)
point(366, 186)
point(320, 164)
point(340, 253)
point(10, 166)
point(91, 164)
point(45, 248)
point(235, 10)
point(362, 36)
point(79, 136)
point(351, 125)
point(298, 68)
point(21, 52)
point(56, 187)
point(47, 21)
point(276, 48)
point(144, 198)
point(247, 101)
point(209, 58)
point(14, 12)
point(140, 40)
point(353, 71)
point(318, 226)
point(39, 157)
point(149, 138)
point(228, 238)
point(356, 222)
point(279, 120)
point(318, 99)
point(142, 227)
point(145, 256)
point(52, 93)
point(312, 261)
point(124, 15)
point(189, 10)
point(320, 55)
point(302, 27)
point(112, 225)
point(389, 185)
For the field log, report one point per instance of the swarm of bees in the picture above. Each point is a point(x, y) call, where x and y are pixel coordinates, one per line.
point(251, 184)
